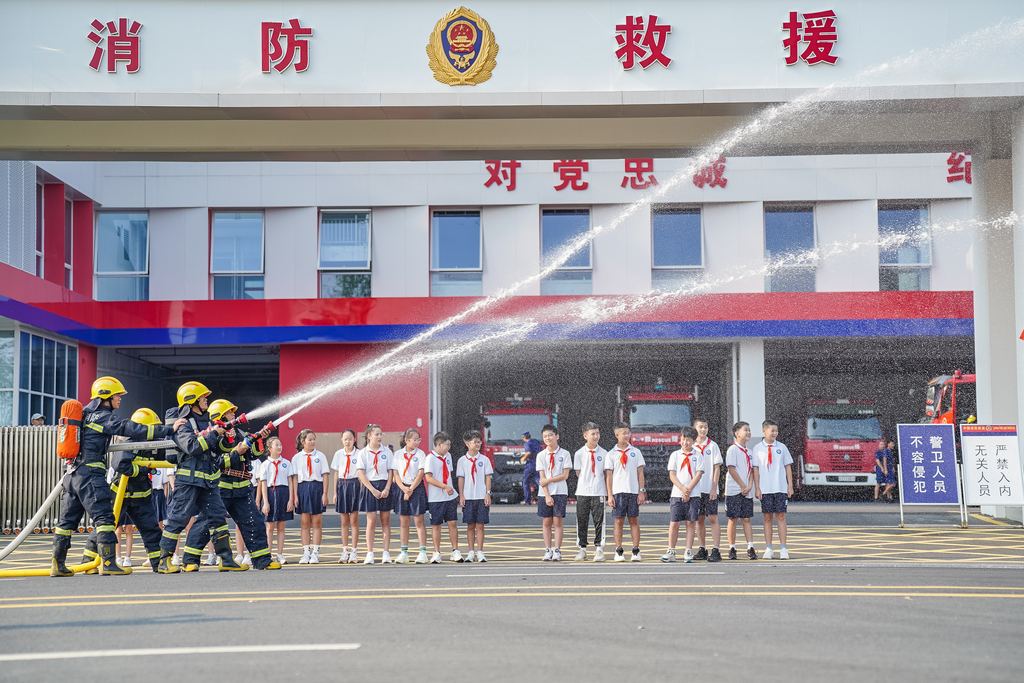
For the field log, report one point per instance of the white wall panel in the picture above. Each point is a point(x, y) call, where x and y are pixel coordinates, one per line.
point(179, 254)
point(290, 256)
point(849, 230)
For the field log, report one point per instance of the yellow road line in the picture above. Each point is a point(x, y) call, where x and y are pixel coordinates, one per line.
point(988, 519)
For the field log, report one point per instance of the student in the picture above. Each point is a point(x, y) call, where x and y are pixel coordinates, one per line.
point(373, 466)
point(441, 497)
point(160, 482)
point(346, 499)
point(410, 494)
point(739, 489)
point(773, 484)
point(313, 473)
point(591, 490)
point(474, 475)
point(685, 471)
point(625, 480)
point(553, 465)
point(708, 493)
point(884, 473)
point(278, 493)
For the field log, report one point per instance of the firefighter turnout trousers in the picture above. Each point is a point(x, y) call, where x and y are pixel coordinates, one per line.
point(86, 490)
point(249, 520)
point(142, 513)
point(189, 501)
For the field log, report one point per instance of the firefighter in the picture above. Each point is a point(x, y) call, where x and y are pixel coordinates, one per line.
point(197, 479)
point(85, 484)
point(239, 499)
point(138, 502)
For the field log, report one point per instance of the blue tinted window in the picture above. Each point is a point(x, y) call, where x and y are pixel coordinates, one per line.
point(455, 240)
point(903, 231)
point(560, 227)
point(237, 243)
point(676, 238)
point(345, 240)
point(788, 231)
point(121, 242)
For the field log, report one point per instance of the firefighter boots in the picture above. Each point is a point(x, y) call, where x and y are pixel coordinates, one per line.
point(164, 564)
point(222, 546)
point(61, 543)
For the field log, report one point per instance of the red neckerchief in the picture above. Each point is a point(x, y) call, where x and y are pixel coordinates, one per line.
point(444, 469)
point(623, 458)
point(769, 455)
point(408, 461)
point(750, 465)
point(472, 468)
point(593, 463)
point(686, 461)
point(348, 463)
point(309, 465)
point(375, 454)
point(276, 464)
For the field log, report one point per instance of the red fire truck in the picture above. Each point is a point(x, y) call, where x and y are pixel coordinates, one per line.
point(951, 399)
point(656, 414)
point(503, 424)
point(840, 442)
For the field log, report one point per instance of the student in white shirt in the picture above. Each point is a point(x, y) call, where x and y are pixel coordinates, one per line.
point(374, 469)
point(685, 471)
point(739, 489)
point(474, 473)
point(442, 500)
point(313, 474)
point(591, 491)
point(346, 498)
point(410, 496)
point(553, 466)
point(773, 484)
point(625, 481)
point(277, 491)
point(708, 493)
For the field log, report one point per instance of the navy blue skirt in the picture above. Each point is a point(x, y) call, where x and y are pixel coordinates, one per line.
point(416, 505)
point(277, 497)
point(159, 504)
point(311, 498)
point(347, 498)
point(368, 503)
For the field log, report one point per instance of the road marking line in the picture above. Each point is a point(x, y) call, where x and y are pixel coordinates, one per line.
point(679, 573)
point(149, 652)
point(988, 519)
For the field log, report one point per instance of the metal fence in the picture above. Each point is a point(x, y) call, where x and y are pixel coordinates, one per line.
point(29, 469)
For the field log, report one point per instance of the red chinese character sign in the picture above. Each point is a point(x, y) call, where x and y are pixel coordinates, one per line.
point(643, 45)
point(570, 172)
point(294, 51)
point(502, 172)
point(817, 30)
point(712, 175)
point(121, 44)
point(958, 168)
point(635, 170)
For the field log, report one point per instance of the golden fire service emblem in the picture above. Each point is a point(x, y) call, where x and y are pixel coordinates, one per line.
point(462, 49)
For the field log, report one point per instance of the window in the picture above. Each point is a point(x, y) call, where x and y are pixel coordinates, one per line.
point(6, 377)
point(904, 252)
point(236, 256)
point(677, 253)
point(39, 230)
point(789, 248)
point(48, 376)
point(456, 254)
point(558, 229)
point(122, 257)
point(344, 254)
point(68, 214)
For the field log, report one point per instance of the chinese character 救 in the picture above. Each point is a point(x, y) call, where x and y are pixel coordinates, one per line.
point(959, 169)
point(817, 30)
point(502, 172)
point(570, 172)
point(122, 44)
point(636, 43)
point(712, 175)
point(296, 40)
point(635, 170)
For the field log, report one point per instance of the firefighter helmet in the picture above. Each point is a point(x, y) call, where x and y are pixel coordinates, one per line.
point(219, 407)
point(105, 387)
point(145, 416)
point(190, 392)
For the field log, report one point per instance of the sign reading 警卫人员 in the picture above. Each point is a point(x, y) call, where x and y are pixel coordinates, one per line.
point(928, 471)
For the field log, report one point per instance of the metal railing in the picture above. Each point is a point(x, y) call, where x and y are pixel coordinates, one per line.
point(29, 467)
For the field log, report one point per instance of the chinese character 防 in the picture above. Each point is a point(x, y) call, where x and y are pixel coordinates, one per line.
point(296, 39)
point(712, 175)
point(635, 170)
point(958, 170)
point(636, 43)
point(570, 172)
point(817, 30)
point(502, 172)
point(940, 487)
point(122, 44)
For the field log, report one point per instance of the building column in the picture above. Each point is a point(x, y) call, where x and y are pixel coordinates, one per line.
point(53, 233)
point(82, 231)
point(751, 384)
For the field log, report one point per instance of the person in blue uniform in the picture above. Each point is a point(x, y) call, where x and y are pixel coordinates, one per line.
point(531, 480)
point(85, 483)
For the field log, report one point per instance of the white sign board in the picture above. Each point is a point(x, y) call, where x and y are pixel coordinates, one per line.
point(992, 467)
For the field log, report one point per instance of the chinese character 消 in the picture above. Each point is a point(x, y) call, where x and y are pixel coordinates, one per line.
point(122, 44)
point(817, 30)
point(570, 172)
point(958, 170)
point(296, 39)
point(502, 172)
point(712, 175)
point(635, 170)
point(636, 43)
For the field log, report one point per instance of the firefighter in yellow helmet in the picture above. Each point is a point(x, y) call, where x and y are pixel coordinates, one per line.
point(197, 482)
point(85, 484)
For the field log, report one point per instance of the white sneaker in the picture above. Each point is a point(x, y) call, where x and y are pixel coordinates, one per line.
point(119, 560)
point(421, 557)
point(635, 557)
point(127, 562)
point(147, 563)
point(369, 558)
point(344, 557)
point(480, 556)
point(768, 554)
point(211, 560)
point(238, 558)
point(175, 560)
point(305, 557)
point(669, 556)
point(247, 559)
point(783, 554)
point(619, 557)
point(456, 556)
point(471, 557)
point(581, 555)
point(688, 556)
point(556, 555)
point(599, 554)
point(314, 557)
point(385, 557)
point(403, 557)
point(282, 560)
point(547, 555)
point(435, 558)
point(352, 559)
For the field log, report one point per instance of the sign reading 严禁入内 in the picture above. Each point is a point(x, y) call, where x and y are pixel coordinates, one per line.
point(928, 471)
point(992, 471)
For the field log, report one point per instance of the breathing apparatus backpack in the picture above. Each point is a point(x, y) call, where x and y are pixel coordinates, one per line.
point(69, 432)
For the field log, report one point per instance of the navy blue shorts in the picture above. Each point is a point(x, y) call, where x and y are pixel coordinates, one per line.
point(556, 510)
point(708, 507)
point(346, 498)
point(444, 511)
point(739, 506)
point(773, 502)
point(160, 504)
point(277, 497)
point(626, 505)
point(311, 498)
point(368, 503)
point(476, 512)
point(415, 506)
point(684, 510)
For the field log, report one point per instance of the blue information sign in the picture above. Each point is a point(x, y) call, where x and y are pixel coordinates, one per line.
point(928, 472)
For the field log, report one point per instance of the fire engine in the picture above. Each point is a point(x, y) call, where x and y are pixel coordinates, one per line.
point(840, 441)
point(656, 414)
point(502, 425)
point(951, 399)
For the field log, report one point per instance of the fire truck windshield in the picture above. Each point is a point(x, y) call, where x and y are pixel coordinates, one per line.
point(507, 430)
point(659, 417)
point(843, 425)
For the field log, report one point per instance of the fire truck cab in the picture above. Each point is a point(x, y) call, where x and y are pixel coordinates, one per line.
point(951, 399)
point(839, 443)
point(502, 426)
